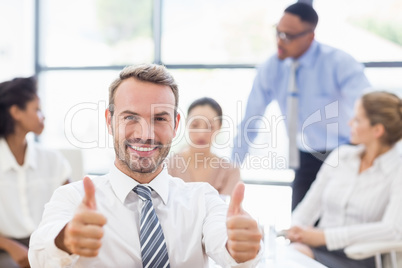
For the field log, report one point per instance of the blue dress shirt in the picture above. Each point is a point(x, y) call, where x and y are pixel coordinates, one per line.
point(328, 80)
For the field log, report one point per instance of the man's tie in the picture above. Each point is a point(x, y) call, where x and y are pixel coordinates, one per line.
point(292, 116)
point(153, 246)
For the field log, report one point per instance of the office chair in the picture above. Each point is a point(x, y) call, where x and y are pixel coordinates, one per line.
point(387, 254)
point(75, 159)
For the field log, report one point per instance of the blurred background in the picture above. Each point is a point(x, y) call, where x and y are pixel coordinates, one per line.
point(76, 48)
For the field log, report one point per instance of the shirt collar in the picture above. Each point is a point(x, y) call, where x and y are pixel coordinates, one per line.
point(122, 184)
point(307, 59)
point(30, 155)
point(8, 161)
point(385, 162)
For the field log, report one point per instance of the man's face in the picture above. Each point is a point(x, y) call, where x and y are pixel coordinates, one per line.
point(143, 125)
point(301, 35)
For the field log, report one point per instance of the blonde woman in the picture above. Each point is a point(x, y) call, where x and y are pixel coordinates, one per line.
point(357, 193)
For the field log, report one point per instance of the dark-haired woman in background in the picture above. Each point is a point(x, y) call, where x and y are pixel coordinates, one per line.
point(28, 173)
point(357, 193)
point(196, 163)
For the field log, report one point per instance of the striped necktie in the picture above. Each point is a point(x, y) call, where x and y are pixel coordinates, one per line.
point(153, 246)
point(292, 117)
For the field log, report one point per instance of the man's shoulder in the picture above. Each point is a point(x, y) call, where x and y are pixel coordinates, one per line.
point(78, 186)
point(190, 187)
point(332, 52)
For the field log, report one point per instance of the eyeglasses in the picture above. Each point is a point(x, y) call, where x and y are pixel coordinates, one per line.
point(287, 38)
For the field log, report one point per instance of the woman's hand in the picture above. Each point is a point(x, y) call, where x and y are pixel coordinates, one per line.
point(19, 253)
point(309, 236)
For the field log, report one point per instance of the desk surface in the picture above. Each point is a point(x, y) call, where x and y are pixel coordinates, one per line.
point(286, 257)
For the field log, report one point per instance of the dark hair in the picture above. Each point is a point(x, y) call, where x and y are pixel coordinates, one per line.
point(305, 12)
point(386, 109)
point(152, 73)
point(18, 91)
point(207, 101)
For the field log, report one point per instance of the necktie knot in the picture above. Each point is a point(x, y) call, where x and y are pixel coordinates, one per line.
point(294, 66)
point(144, 192)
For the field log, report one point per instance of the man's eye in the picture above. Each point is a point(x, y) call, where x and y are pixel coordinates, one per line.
point(130, 117)
point(160, 119)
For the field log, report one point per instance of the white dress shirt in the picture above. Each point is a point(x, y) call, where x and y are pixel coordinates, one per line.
point(355, 207)
point(24, 190)
point(192, 216)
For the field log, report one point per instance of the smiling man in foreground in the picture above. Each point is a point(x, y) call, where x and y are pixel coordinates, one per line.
point(138, 215)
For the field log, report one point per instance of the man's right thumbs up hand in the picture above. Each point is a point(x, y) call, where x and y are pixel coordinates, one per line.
point(244, 236)
point(83, 234)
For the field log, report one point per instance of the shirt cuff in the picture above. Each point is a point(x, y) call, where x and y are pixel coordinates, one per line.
point(250, 263)
point(60, 258)
point(336, 238)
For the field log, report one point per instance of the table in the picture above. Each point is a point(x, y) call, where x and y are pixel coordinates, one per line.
point(284, 257)
point(287, 257)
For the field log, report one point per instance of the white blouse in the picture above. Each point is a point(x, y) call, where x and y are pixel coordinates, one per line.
point(354, 207)
point(24, 190)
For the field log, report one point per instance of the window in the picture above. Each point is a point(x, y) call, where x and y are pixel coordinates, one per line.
point(16, 43)
point(209, 46)
point(95, 32)
point(219, 32)
point(369, 30)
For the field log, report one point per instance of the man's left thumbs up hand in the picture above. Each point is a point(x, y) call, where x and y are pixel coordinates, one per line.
point(244, 236)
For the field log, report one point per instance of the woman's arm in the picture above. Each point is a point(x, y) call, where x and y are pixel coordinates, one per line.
point(388, 229)
point(17, 251)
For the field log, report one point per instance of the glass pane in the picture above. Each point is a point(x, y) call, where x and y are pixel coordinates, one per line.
point(385, 79)
point(16, 42)
point(96, 32)
point(225, 31)
point(368, 30)
point(74, 104)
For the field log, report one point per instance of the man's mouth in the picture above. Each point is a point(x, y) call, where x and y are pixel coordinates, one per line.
point(142, 149)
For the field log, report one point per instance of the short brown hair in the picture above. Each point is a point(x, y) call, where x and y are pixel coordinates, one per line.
point(153, 73)
point(385, 108)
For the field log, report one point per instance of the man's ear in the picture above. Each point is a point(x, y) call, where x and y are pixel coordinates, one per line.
point(109, 119)
point(177, 120)
point(311, 37)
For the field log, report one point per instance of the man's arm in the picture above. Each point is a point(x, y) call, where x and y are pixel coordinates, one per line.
point(351, 79)
point(230, 236)
point(258, 100)
point(67, 230)
point(83, 234)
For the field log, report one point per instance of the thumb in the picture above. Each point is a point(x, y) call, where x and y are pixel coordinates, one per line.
point(89, 198)
point(236, 199)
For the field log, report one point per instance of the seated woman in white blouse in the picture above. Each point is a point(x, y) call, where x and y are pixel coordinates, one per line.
point(28, 173)
point(357, 194)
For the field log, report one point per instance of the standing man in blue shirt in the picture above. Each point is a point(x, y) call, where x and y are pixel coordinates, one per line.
point(320, 81)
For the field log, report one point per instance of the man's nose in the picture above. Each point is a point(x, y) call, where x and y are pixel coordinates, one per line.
point(146, 130)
